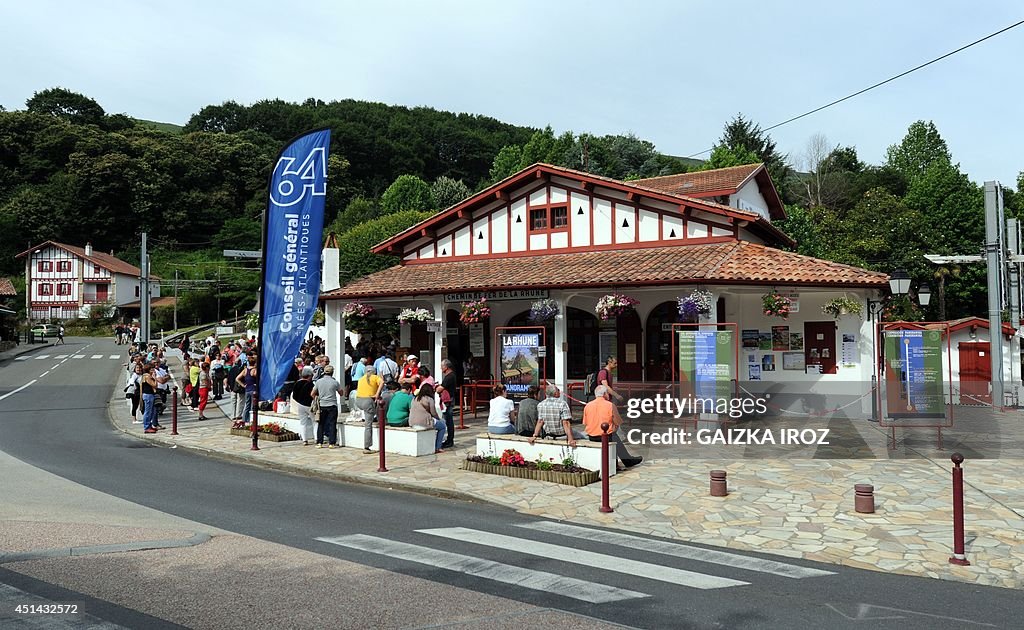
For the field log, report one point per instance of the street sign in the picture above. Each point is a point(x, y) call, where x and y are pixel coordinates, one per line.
point(242, 253)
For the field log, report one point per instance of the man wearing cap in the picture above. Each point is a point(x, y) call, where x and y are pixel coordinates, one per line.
point(326, 390)
point(411, 370)
point(368, 390)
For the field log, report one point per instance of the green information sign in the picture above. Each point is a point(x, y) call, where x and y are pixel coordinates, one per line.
point(706, 362)
point(913, 374)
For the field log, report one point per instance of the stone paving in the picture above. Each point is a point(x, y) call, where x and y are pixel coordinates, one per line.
point(797, 504)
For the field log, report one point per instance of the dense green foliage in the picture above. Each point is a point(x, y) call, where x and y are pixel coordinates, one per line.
point(70, 171)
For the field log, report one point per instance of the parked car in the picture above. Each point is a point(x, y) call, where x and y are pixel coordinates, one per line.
point(45, 330)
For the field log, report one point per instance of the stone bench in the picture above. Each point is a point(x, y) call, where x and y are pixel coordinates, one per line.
point(411, 441)
point(587, 454)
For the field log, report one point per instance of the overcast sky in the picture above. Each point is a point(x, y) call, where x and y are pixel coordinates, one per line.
point(671, 72)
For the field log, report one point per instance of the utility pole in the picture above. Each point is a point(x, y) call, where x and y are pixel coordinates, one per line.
point(993, 253)
point(175, 298)
point(144, 293)
point(218, 293)
point(1013, 243)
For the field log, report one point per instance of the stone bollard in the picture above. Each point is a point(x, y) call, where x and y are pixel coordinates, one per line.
point(718, 484)
point(864, 498)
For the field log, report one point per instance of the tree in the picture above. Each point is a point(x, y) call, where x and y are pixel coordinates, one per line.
point(724, 157)
point(355, 258)
point(71, 106)
point(359, 211)
point(744, 137)
point(919, 149)
point(505, 163)
point(446, 192)
point(408, 192)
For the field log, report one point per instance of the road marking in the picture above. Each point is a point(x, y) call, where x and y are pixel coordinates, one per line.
point(40, 357)
point(78, 356)
point(864, 611)
point(678, 550)
point(22, 358)
point(44, 373)
point(17, 390)
point(591, 592)
point(115, 356)
point(61, 356)
point(587, 558)
point(96, 356)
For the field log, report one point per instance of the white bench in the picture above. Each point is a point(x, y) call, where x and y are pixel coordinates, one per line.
point(587, 454)
point(411, 441)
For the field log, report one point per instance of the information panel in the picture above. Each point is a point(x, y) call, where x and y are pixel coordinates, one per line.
point(520, 364)
point(913, 374)
point(706, 360)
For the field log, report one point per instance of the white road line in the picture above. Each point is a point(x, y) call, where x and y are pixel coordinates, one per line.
point(633, 568)
point(44, 373)
point(115, 356)
point(78, 356)
point(40, 357)
point(61, 356)
point(17, 390)
point(678, 550)
point(22, 358)
point(96, 356)
point(591, 592)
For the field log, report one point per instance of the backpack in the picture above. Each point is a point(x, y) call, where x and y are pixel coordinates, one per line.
point(592, 381)
point(233, 373)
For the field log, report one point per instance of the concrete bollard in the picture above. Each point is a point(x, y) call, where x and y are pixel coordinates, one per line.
point(719, 487)
point(864, 498)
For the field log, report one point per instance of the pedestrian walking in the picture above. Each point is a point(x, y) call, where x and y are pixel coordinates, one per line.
point(326, 391)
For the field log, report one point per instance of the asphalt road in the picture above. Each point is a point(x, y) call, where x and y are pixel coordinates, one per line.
point(59, 423)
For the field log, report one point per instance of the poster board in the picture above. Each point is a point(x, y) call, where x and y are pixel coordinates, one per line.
point(914, 386)
point(519, 358)
point(706, 360)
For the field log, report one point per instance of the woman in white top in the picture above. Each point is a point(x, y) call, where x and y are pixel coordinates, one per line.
point(502, 418)
point(132, 390)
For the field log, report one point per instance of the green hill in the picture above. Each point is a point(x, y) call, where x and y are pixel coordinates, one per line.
point(160, 126)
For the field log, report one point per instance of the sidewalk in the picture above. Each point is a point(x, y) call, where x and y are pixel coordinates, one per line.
point(797, 504)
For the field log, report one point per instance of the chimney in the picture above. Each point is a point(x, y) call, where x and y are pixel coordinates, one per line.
point(330, 277)
point(88, 249)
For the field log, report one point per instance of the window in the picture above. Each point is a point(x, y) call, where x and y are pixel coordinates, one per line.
point(63, 265)
point(45, 288)
point(560, 217)
point(64, 288)
point(137, 292)
point(539, 219)
point(45, 265)
point(550, 218)
point(97, 270)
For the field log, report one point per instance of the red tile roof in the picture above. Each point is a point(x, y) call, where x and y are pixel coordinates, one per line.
point(6, 288)
point(734, 262)
point(694, 184)
point(107, 261)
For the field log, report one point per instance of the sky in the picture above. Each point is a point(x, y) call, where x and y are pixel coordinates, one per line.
point(670, 72)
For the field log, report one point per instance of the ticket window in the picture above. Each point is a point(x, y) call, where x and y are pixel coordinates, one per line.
point(820, 346)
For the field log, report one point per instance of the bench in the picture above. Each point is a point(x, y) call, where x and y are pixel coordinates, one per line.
point(587, 454)
point(411, 441)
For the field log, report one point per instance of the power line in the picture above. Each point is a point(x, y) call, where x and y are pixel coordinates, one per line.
point(880, 83)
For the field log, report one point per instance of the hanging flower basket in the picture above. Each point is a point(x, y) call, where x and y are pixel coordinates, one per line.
point(408, 315)
point(842, 306)
point(357, 316)
point(775, 304)
point(615, 304)
point(475, 312)
point(695, 305)
point(543, 311)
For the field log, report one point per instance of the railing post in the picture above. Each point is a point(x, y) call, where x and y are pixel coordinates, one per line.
point(255, 422)
point(381, 421)
point(462, 410)
point(605, 507)
point(174, 410)
point(958, 512)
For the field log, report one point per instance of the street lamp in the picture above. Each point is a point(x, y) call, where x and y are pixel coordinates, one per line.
point(924, 294)
point(899, 282)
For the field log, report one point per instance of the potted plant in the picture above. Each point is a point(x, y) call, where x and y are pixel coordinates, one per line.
point(407, 315)
point(543, 311)
point(615, 304)
point(840, 306)
point(511, 463)
point(475, 312)
point(357, 315)
point(270, 431)
point(774, 304)
point(695, 305)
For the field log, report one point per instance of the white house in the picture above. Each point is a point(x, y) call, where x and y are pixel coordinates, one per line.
point(65, 281)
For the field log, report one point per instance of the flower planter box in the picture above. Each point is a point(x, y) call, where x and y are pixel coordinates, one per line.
point(287, 436)
point(554, 476)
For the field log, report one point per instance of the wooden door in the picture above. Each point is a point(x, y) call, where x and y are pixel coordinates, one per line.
point(975, 373)
point(820, 345)
point(101, 292)
point(630, 352)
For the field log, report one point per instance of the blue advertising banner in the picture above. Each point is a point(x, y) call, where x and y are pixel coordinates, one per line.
point(293, 229)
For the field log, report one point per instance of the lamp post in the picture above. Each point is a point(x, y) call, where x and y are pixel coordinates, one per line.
point(899, 284)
